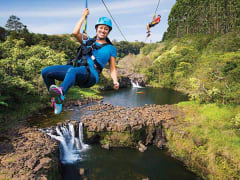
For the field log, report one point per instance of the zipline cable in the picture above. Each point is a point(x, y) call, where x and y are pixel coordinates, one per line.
point(113, 19)
point(157, 6)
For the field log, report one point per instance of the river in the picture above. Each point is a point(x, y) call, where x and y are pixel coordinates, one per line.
point(125, 163)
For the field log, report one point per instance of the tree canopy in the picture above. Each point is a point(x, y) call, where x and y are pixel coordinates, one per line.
point(203, 16)
point(14, 24)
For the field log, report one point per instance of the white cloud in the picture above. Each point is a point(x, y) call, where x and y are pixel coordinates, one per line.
point(123, 7)
point(44, 13)
point(53, 28)
point(129, 6)
point(134, 26)
point(131, 15)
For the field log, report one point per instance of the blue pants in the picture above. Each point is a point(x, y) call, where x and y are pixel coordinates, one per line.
point(69, 75)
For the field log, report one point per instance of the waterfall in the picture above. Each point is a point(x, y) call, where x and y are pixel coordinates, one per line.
point(80, 130)
point(135, 85)
point(70, 146)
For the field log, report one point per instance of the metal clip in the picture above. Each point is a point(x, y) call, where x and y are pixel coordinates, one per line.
point(93, 58)
point(83, 40)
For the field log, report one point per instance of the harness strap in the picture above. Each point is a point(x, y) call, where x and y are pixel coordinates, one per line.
point(83, 51)
point(97, 66)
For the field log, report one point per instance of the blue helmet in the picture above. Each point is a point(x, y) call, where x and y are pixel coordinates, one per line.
point(106, 21)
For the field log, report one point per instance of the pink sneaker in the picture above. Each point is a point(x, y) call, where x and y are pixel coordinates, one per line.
point(57, 93)
point(57, 98)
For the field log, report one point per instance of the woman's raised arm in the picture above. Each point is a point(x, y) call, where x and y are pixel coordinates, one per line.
point(76, 32)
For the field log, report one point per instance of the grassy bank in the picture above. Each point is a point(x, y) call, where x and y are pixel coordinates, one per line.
point(79, 93)
point(11, 116)
point(207, 139)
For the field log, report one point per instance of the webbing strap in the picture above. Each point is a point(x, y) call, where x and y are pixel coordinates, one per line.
point(83, 51)
point(85, 23)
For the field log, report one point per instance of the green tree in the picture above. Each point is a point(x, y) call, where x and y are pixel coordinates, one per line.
point(20, 70)
point(14, 24)
point(3, 34)
point(124, 48)
point(203, 16)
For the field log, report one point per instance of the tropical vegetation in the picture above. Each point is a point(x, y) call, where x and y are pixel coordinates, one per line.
point(205, 66)
point(22, 57)
point(203, 16)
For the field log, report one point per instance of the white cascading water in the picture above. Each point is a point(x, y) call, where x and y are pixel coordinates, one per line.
point(135, 85)
point(70, 146)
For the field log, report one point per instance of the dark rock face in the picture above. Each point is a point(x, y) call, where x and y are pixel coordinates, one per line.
point(115, 126)
point(137, 78)
point(125, 78)
point(29, 154)
point(124, 82)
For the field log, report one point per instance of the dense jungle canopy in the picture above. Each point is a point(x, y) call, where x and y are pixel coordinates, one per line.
point(203, 16)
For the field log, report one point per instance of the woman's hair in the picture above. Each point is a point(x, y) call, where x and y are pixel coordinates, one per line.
point(108, 41)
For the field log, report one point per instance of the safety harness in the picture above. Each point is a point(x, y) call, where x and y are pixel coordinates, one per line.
point(82, 52)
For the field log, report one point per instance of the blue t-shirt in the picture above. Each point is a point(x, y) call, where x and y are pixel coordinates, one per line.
point(102, 56)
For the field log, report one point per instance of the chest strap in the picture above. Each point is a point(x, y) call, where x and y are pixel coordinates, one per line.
point(83, 51)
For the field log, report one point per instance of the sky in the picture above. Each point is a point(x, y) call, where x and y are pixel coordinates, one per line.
point(60, 16)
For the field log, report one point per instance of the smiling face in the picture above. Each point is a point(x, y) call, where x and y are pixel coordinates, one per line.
point(102, 31)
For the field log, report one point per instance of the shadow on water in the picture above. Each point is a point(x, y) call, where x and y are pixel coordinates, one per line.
point(128, 164)
point(46, 118)
point(134, 97)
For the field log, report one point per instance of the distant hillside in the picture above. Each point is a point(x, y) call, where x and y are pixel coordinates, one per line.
point(205, 66)
point(203, 16)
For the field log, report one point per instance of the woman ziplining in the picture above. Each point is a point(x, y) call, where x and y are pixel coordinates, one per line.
point(84, 70)
point(155, 20)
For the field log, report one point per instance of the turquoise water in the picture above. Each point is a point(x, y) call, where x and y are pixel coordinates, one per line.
point(133, 97)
